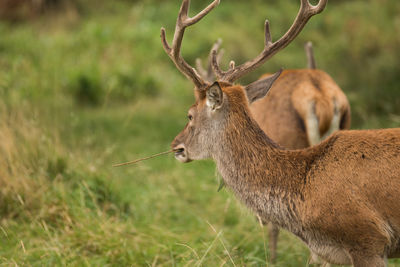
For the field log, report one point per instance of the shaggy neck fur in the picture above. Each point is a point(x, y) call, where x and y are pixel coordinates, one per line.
point(268, 179)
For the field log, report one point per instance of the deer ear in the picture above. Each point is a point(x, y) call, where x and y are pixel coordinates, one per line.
point(260, 88)
point(214, 96)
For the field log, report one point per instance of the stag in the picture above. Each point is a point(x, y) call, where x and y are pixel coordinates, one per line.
point(339, 197)
point(302, 108)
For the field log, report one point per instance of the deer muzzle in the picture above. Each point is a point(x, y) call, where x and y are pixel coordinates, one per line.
point(181, 153)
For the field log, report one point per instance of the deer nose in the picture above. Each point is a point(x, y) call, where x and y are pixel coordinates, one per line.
point(181, 153)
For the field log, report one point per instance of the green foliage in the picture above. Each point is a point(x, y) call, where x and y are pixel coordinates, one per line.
point(87, 89)
point(55, 167)
point(91, 86)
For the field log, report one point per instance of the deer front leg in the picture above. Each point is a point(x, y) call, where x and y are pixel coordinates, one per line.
point(314, 259)
point(273, 232)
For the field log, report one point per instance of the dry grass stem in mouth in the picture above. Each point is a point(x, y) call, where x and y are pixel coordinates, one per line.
point(146, 158)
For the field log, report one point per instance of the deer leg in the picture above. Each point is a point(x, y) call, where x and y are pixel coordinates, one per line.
point(273, 232)
point(314, 259)
point(335, 122)
point(325, 264)
point(312, 126)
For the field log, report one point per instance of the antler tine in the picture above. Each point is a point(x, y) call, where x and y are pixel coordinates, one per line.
point(200, 69)
point(208, 74)
point(319, 7)
point(216, 46)
point(267, 32)
point(306, 11)
point(182, 22)
point(310, 55)
point(215, 63)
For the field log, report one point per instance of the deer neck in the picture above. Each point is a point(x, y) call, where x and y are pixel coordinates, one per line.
point(268, 179)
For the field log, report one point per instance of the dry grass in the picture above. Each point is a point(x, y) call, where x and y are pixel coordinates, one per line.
point(24, 151)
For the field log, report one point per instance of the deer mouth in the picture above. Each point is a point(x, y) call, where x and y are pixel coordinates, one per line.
point(179, 151)
point(181, 154)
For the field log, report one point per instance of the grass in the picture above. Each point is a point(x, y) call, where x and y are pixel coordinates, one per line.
point(91, 87)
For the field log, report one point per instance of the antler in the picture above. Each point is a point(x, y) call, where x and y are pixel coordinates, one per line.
point(306, 11)
point(208, 74)
point(182, 22)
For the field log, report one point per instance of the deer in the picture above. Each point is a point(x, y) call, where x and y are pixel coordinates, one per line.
point(302, 108)
point(339, 196)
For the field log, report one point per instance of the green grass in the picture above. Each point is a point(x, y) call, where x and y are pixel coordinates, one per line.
point(83, 91)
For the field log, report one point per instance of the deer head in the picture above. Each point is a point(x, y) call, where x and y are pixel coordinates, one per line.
point(211, 113)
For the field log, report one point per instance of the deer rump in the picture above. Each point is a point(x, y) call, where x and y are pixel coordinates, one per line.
point(296, 96)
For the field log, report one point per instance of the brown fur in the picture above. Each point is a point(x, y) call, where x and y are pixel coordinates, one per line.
point(340, 197)
point(282, 113)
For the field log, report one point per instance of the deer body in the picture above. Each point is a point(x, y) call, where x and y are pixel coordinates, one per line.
point(339, 197)
point(303, 107)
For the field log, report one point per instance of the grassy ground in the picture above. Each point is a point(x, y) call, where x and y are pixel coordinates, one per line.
point(83, 89)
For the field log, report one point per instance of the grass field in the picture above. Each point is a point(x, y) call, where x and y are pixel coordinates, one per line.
point(84, 88)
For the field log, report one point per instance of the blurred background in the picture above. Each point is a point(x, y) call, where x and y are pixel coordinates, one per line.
point(85, 84)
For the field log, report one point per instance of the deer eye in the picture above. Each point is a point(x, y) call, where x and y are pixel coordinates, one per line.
point(190, 117)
